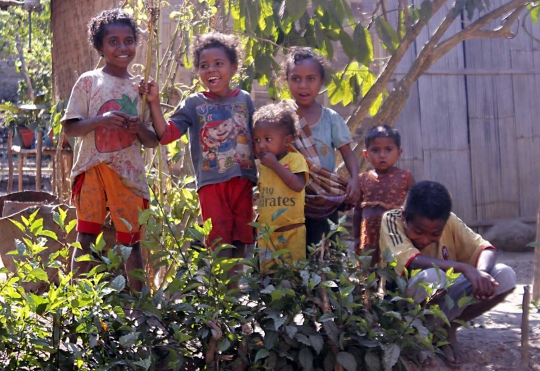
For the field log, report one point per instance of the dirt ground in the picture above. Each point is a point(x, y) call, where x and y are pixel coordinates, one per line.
point(493, 341)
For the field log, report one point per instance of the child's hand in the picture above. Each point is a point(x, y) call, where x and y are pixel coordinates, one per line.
point(353, 191)
point(151, 90)
point(115, 120)
point(268, 159)
point(483, 284)
point(134, 125)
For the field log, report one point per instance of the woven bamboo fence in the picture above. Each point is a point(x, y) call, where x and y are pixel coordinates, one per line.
point(471, 124)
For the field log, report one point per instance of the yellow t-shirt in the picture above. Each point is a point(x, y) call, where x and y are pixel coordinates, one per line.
point(275, 195)
point(458, 242)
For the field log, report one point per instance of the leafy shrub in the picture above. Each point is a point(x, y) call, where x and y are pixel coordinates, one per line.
point(323, 313)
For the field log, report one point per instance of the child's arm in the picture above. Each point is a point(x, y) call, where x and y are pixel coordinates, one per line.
point(410, 181)
point(112, 119)
point(166, 131)
point(483, 284)
point(152, 97)
point(295, 181)
point(357, 222)
point(353, 189)
point(146, 136)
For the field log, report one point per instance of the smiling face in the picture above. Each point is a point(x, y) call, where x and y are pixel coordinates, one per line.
point(382, 153)
point(221, 131)
point(271, 138)
point(118, 49)
point(305, 81)
point(216, 70)
point(423, 231)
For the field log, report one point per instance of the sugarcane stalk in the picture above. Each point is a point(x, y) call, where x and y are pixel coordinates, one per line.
point(160, 157)
point(148, 57)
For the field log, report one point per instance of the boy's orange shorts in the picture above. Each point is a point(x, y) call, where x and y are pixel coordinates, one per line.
point(101, 187)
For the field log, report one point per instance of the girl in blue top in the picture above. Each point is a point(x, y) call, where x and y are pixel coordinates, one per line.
point(304, 71)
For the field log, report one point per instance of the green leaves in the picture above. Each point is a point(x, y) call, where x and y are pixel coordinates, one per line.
point(387, 34)
point(317, 342)
point(426, 11)
point(129, 340)
point(39, 274)
point(347, 360)
point(261, 354)
point(293, 319)
point(306, 359)
point(391, 355)
point(296, 8)
point(348, 44)
point(270, 27)
point(363, 45)
point(118, 283)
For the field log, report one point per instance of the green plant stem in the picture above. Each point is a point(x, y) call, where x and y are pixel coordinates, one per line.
point(173, 266)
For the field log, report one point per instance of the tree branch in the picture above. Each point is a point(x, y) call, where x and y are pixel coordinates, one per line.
point(432, 52)
point(472, 31)
point(384, 77)
point(514, 7)
point(6, 3)
point(28, 4)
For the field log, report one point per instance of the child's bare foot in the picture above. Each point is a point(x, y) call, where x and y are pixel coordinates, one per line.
point(426, 358)
point(452, 354)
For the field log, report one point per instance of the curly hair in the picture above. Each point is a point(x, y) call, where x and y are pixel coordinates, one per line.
point(383, 131)
point(230, 44)
point(98, 25)
point(299, 53)
point(282, 114)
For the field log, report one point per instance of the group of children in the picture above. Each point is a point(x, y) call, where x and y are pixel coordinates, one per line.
point(226, 134)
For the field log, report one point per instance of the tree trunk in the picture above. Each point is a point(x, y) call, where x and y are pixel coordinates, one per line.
point(72, 53)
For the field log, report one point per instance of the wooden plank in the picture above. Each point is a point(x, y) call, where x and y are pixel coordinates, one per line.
point(444, 124)
point(408, 123)
point(526, 89)
point(467, 71)
point(492, 131)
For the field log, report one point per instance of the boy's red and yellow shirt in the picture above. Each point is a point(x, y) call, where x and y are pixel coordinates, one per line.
point(458, 242)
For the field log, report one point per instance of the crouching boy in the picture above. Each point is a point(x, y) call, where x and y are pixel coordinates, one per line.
point(425, 233)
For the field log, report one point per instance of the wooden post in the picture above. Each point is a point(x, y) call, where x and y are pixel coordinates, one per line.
point(525, 328)
point(53, 175)
point(536, 268)
point(39, 151)
point(22, 157)
point(10, 162)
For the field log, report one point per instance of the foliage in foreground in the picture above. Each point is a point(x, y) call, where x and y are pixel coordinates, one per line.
point(317, 314)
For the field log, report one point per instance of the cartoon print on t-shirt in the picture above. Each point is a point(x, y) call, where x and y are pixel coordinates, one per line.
point(114, 139)
point(243, 147)
point(224, 136)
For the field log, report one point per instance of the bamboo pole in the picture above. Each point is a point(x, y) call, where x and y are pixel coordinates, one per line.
point(525, 328)
point(153, 19)
point(536, 267)
point(160, 153)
